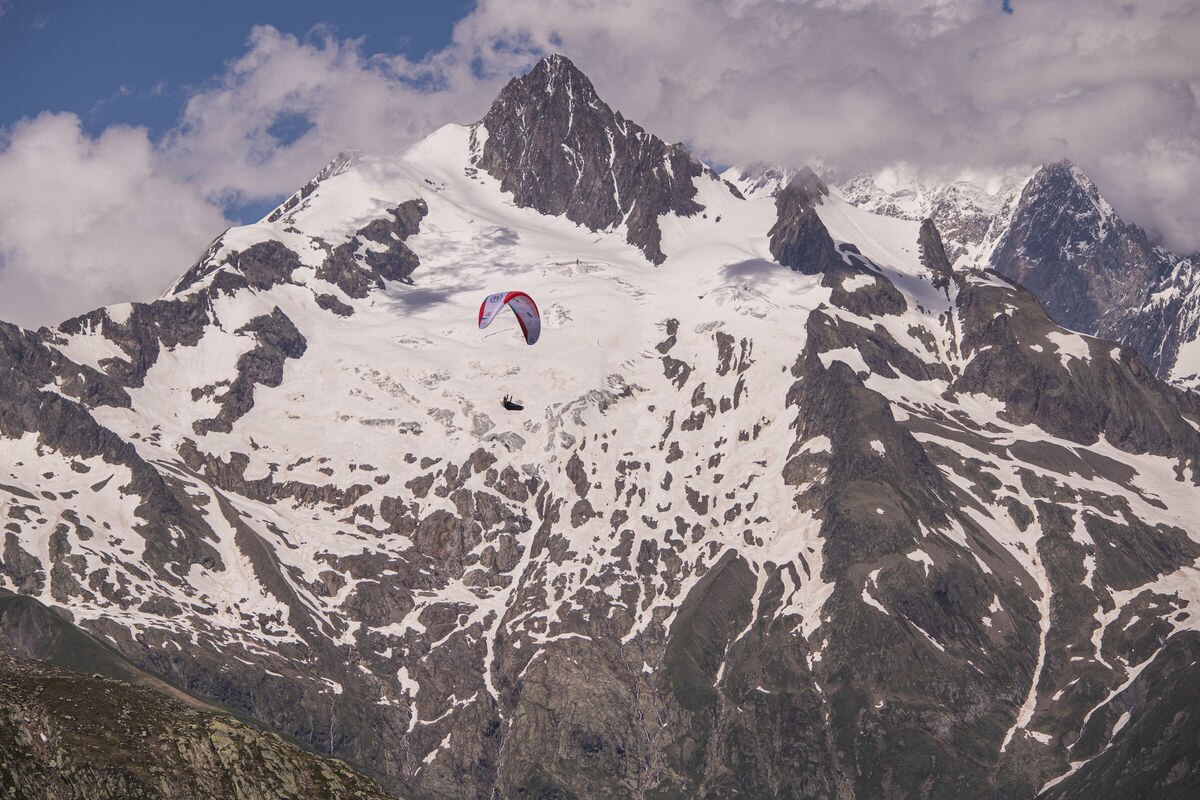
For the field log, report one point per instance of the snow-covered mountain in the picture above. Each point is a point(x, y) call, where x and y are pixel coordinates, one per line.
point(1054, 233)
point(793, 509)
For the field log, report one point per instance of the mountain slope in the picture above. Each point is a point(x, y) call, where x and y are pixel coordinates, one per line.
point(798, 510)
point(66, 735)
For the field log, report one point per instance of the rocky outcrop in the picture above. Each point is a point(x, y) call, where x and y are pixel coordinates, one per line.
point(277, 340)
point(1019, 356)
point(263, 265)
point(149, 328)
point(558, 148)
point(356, 273)
point(64, 735)
point(933, 255)
point(798, 238)
point(1147, 740)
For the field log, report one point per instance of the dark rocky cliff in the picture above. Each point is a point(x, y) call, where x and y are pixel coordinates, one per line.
point(1065, 244)
point(560, 149)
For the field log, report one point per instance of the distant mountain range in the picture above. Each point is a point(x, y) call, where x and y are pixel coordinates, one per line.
point(1056, 235)
point(818, 491)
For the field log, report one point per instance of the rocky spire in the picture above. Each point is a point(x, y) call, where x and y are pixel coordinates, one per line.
point(933, 254)
point(558, 148)
point(799, 239)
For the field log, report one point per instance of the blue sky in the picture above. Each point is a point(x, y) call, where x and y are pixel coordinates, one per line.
point(137, 61)
point(133, 132)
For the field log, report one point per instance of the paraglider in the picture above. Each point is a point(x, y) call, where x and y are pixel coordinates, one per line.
point(522, 306)
point(526, 312)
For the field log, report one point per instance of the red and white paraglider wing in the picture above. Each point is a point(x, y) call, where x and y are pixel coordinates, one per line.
point(522, 306)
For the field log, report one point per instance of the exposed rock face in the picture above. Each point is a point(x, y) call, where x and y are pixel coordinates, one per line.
point(1056, 235)
point(1169, 321)
point(1154, 753)
point(870, 455)
point(356, 273)
point(1102, 389)
point(64, 735)
point(933, 255)
point(278, 340)
point(1066, 245)
point(799, 239)
point(558, 148)
point(265, 264)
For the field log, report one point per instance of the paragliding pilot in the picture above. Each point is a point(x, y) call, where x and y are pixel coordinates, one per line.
point(528, 318)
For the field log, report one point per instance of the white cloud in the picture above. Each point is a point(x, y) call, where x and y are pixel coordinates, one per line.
point(946, 86)
point(86, 222)
point(225, 145)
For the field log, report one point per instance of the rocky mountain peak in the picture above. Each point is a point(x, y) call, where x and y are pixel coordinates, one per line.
point(561, 77)
point(561, 150)
point(555, 86)
point(1067, 245)
point(804, 188)
point(1065, 183)
point(342, 162)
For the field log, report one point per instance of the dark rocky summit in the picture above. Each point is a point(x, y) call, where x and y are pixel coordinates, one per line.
point(1097, 274)
point(1068, 247)
point(799, 239)
point(558, 148)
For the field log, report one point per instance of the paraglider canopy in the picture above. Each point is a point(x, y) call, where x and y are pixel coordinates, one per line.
point(522, 306)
